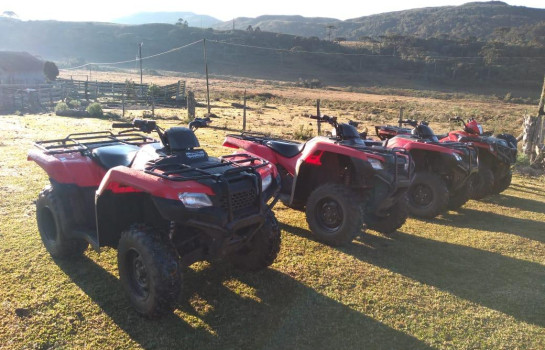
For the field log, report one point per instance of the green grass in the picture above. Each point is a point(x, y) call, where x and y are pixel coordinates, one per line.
point(471, 279)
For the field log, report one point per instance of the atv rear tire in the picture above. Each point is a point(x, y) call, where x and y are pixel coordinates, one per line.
point(483, 183)
point(503, 183)
point(262, 249)
point(392, 219)
point(54, 225)
point(334, 214)
point(461, 196)
point(149, 271)
point(428, 195)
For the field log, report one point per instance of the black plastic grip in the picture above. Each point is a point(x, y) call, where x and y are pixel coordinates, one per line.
point(122, 125)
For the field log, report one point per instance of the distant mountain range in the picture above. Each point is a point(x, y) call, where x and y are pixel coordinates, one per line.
point(506, 45)
point(193, 19)
point(474, 19)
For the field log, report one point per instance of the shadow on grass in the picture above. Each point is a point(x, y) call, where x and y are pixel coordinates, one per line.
point(106, 291)
point(528, 189)
point(508, 201)
point(285, 314)
point(511, 286)
point(491, 222)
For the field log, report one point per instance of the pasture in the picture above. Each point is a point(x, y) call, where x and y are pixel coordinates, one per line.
point(469, 279)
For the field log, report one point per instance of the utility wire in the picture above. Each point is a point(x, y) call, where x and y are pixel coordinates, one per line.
point(358, 54)
point(134, 60)
point(295, 52)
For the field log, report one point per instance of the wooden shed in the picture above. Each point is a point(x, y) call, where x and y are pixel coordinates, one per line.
point(20, 68)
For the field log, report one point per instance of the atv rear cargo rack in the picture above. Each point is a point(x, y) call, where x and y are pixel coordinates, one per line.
point(83, 142)
point(258, 137)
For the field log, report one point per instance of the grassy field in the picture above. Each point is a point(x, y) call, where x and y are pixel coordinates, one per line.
point(469, 279)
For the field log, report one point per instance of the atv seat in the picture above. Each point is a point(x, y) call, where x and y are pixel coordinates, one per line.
point(285, 148)
point(112, 156)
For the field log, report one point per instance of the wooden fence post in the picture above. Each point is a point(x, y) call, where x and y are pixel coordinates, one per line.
point(318, 124)
point(244, 113)
point(532, 140)
point(191, 103)
point(123, 102)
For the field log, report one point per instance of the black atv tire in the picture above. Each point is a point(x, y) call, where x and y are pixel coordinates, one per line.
point(149, 271)
point(428, 195)
point(54, 225)
point(483, 183)
point(262, 249)
point(460, 197)
point(334, 214)
point(393, 219)
point(503, 183)
point(295, 205)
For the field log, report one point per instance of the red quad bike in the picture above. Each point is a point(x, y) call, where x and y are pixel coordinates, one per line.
point(163, 205)
point(443, 169)
point(341, 181)
point(496, 155)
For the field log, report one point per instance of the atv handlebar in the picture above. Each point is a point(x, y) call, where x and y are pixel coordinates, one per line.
point(144, 125)
point(411, 122)
point(325, 119)
point(122, 125)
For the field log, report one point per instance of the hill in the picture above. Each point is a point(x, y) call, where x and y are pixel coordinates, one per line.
point(294, 25)
point(474, 19)
point(511, 59)
point(193, 20)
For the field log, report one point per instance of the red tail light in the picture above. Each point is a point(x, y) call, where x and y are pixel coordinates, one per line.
point(118, 188)
point(315, 158)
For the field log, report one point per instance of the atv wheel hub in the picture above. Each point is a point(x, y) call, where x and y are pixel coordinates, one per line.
point(422, 195)
point(138, 275)
point(329, 214)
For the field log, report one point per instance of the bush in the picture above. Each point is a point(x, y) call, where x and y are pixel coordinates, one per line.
point(303, 133)
point(61, 106)
point(74, 104)
point(95, 110)
point(50, 70)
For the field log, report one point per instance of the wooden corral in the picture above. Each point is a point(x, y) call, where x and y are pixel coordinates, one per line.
point(34, 98)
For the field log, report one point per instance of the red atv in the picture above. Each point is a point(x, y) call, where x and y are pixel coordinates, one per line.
point(496, 155)
point(340, 180)
point(162, 204)
point(443, 169)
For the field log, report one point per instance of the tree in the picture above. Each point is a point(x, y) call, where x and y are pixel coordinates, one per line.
point(50, 70)
point(250, 28)
point(182, 23)
point(10, 14)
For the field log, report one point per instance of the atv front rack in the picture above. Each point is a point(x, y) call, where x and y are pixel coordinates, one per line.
point(84, 142)
point(176, 171)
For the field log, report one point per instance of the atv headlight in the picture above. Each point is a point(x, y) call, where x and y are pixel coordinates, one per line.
point(491, 147)
point(375, 163)
point(266, 182)
point(195, 200)
point(457, 157)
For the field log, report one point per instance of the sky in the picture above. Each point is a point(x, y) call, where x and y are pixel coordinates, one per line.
point(108, 10)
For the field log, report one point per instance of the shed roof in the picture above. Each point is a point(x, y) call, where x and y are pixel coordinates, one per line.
point(11, 61)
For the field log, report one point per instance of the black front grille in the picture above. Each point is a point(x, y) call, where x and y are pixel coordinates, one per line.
point(241, 201)
point(401, 167)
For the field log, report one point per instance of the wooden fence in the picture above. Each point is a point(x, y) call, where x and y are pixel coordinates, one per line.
point(35, 98)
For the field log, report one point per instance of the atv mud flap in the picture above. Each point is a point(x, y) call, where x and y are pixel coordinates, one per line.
point(386, 194)
point(467, 173)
